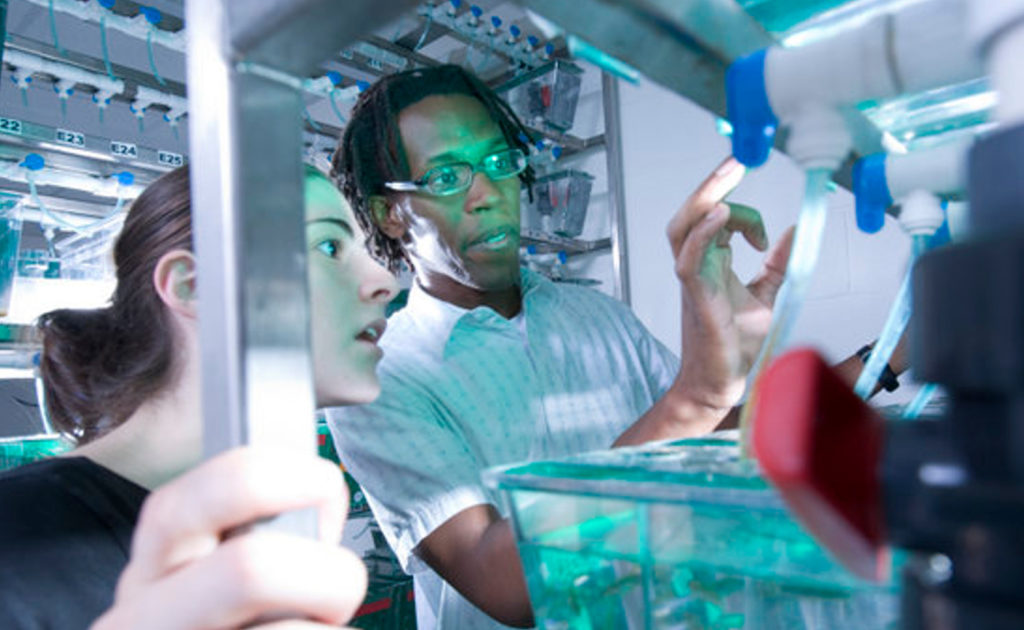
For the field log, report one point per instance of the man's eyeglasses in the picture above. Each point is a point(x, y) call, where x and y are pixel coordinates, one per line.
point(452, 179)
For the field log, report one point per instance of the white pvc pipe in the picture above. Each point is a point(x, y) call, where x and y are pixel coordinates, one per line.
point(941, 170)
point(33, 63)
point(98, 186)
point(136, 26)
point(997, 32)
point(923, 46)
point(149, 96)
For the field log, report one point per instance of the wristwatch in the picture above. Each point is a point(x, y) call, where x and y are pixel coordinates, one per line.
point(887, 379)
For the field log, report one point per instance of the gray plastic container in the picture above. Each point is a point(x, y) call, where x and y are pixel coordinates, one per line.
point(561, 200)
point(547, 96)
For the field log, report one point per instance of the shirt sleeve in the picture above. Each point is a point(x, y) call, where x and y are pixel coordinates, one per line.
point(415, 467)
point(659, 364)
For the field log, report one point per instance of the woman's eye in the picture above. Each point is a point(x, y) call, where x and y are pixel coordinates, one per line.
point(445, 176)
point(331, 248)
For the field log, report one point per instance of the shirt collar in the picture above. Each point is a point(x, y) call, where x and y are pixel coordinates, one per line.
point(438, 320)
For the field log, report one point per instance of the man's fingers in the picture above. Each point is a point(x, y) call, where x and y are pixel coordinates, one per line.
point(767, 283)
point(778, 258)
point(186, 518)
point(748, 222)
point(719, 184)
point(691, 257)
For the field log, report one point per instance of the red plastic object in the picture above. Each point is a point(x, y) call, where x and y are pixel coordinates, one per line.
point(821, 446)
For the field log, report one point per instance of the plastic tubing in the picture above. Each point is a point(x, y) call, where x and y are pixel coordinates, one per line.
point(803, 259)
point(895, 324)
point(84, 228)
point(917, 405)
point(53, 31)
point(136, 26)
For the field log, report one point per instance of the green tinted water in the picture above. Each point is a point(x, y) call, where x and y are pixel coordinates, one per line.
point(714, 571)
point(685, 535)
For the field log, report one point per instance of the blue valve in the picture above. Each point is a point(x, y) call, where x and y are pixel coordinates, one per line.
point(514, 31)
point(33, 162)
point(362, 85)
point(125, 178)
point(942, 235)
point(476, 11)
point(495, 22)
point(153, 15)
point(556, 151)
point(549, 48)
point(531, 249)
point(750, 114)
point(456, 4)
point(106, 101)
point(334, 77)
point(539, 145)
point(522, 137)
point(533, 41)
point(57, 90)
point(563, 257)
point(107, 4)
point(871, 191)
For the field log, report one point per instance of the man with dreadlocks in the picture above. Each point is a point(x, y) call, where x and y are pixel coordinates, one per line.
point(490, 364)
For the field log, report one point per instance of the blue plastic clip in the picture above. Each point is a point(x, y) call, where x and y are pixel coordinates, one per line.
point(33, 162)
point(750, 114)
point(871, 191)
point(153, 15)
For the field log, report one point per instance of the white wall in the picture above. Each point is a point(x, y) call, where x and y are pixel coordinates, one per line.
point(669, 146)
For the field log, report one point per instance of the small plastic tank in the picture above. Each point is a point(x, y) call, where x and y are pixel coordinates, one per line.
point(676, 535)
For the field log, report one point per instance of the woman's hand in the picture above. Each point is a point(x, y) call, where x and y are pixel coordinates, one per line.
point(183, 573)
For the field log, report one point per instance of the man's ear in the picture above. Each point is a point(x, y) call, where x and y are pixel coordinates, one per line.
point(174, 278)
point(385, 216)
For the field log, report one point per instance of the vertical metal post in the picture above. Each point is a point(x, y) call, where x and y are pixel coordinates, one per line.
point(243, 58)
point(616, 193)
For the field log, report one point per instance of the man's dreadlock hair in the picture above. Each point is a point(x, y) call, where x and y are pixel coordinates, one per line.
point(371, 153)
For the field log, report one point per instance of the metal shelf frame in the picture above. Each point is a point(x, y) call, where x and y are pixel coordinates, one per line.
point(247, 202)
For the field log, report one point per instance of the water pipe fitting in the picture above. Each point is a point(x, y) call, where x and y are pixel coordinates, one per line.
point(921, 213)
point(920, 47)
point(880, 180)
point(818, 137)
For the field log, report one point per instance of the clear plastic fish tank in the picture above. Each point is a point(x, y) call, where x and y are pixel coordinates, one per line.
point(684, 535)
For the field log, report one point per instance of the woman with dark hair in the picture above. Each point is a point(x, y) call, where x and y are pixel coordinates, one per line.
point(123, 383)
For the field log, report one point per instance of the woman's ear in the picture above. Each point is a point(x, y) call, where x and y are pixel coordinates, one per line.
point(175, 281)
point(385, 216)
